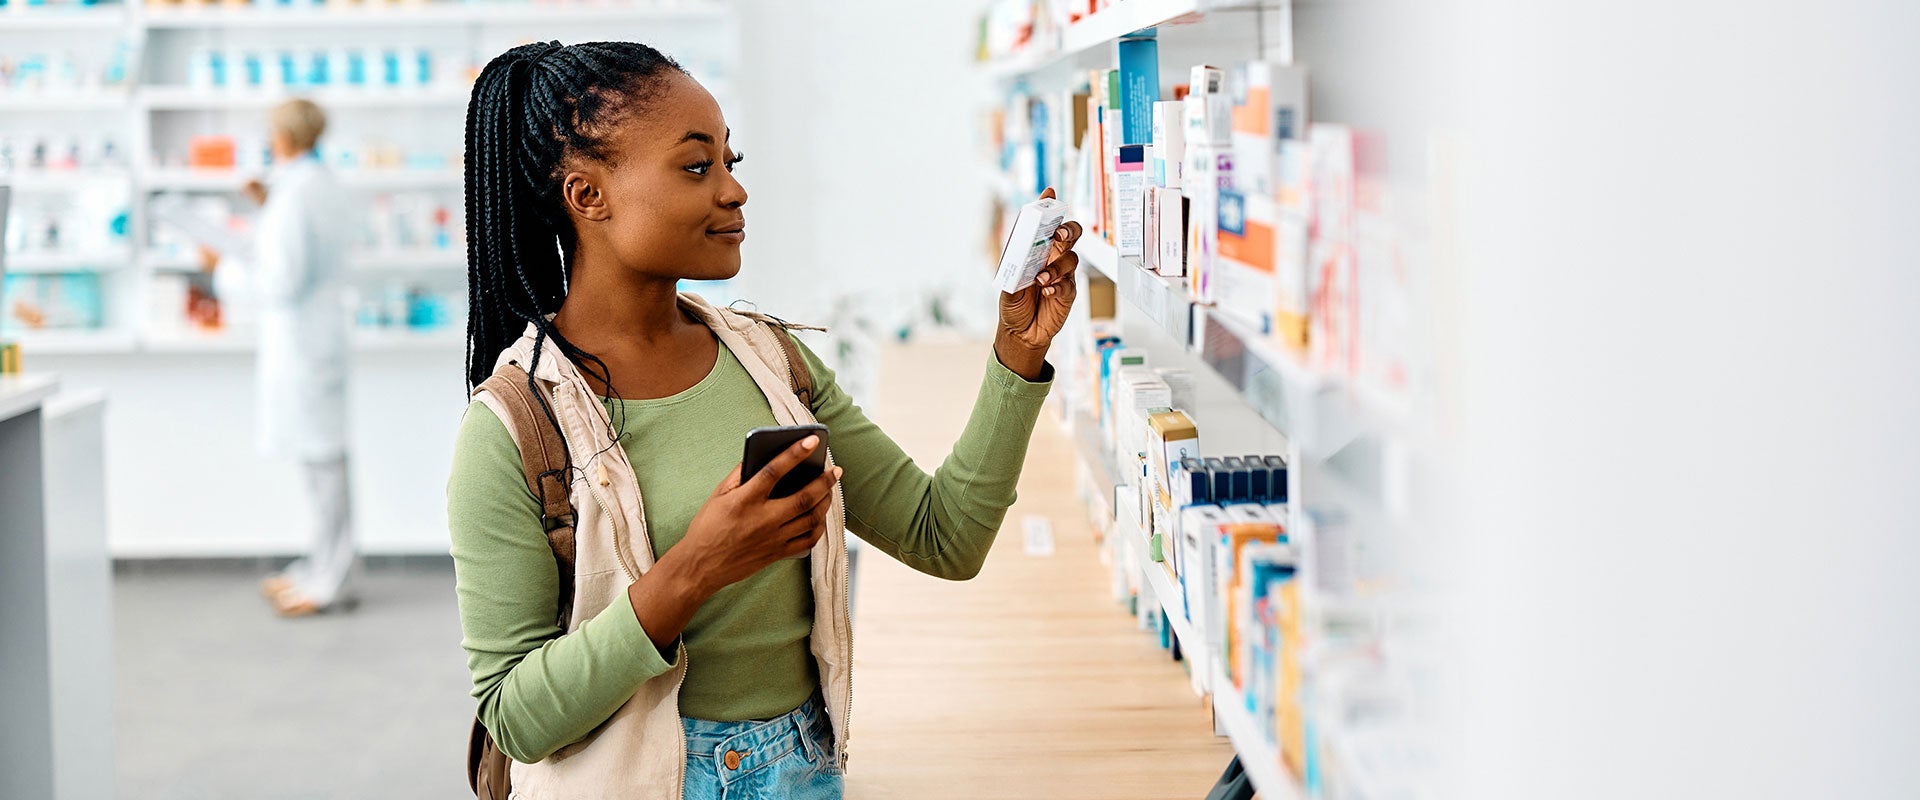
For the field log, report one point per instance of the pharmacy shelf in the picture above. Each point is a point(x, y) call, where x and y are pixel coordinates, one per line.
point(363, 341)
point(98, 261)
point(193, 98)
point(78, 342)
point(1259, 756)
point(222, 180)
point(1154, 576)
point(65, 101)
point(417, 260)
point(1322, 413)
point(22, 17)
point(188, 343)
point(432, 14)
point(1102, 28)
point(392, 341)
point(185, 262)
point(51, 180)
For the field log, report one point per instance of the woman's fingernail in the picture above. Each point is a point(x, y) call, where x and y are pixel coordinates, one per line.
point(809, 443)
point(837, 472)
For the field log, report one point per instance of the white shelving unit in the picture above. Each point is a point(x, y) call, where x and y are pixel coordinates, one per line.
point(488, 13)
point(68, 262)
point(1250, 388)
point(190, 98)
point(22, 17)
point(1101, 28)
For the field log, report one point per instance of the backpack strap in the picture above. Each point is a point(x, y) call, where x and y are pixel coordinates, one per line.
point(544, 460)
point(799, 375)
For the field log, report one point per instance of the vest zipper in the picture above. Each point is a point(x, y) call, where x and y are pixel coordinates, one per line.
point(846, 619)
point(615, 512)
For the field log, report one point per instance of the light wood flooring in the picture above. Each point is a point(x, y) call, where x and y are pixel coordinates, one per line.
point(1027, 682)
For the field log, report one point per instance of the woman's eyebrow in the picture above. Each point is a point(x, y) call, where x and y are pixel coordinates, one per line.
point(701, 137)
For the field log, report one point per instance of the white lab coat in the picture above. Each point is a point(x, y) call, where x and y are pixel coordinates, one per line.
point(294, 279)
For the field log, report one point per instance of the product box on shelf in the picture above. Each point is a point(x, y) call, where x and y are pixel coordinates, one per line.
point(1114, 357)
point(1228, 568)
point(1243, 283)
point(1170, 233)
point(1293, 227)
point(1171, 438)
point(1383, 318)
point(1208, 109)
point(1130, 197)
point(1112, 137)
point(1138, 56)
point(1277, 481)
point(1331, 287)
point(1169, 142)
point(1209, 169)
point(1269, 106)
point(1199, 530)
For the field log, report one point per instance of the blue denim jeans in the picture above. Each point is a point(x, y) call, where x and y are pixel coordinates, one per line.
point(790, 756)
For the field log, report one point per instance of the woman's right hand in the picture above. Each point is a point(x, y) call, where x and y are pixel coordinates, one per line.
point(741, 529)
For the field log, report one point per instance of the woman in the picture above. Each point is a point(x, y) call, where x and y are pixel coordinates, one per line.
point(295, 281)
point(598, 177)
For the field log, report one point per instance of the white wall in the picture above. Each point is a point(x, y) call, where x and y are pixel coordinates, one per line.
point(1688, 442)
point(863, 166)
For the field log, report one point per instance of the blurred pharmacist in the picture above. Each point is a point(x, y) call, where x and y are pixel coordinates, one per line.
point(707, 650)
point(293, 276)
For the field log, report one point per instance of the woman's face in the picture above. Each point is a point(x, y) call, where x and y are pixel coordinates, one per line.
point(669, 204)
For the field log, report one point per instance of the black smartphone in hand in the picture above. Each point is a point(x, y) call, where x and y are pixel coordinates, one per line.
point(764, 444)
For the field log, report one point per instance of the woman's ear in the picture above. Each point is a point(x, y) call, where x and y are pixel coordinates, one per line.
point(581, 192)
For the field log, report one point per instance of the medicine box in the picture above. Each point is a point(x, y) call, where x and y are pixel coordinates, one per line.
point(1028, 243)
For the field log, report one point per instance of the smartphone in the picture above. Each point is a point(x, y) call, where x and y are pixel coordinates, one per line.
point(763, 444)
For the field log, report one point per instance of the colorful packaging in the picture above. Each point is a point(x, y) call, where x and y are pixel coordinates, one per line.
point(1130, 198)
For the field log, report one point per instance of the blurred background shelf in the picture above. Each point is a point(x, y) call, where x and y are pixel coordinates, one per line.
point(53, 180)
point(67, 101)
point(99, 261)
point(430, 14)
point(191, 179)
point(22, 17)
point(191, 98)
point(99, 341)
point(417, 260)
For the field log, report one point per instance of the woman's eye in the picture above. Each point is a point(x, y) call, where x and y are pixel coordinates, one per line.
point(735, 161)
point(701, 168)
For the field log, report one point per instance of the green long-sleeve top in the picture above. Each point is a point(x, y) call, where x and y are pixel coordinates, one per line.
point(541, 688)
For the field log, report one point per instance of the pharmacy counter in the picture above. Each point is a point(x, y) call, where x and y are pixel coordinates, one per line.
point(56, 612)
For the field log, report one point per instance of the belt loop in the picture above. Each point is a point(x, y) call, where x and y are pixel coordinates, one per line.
point(803, 724)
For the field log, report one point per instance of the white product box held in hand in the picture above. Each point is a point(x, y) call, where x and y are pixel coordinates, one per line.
point(1028, 242)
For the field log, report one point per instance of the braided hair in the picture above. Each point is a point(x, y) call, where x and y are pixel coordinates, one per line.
point(533, 108)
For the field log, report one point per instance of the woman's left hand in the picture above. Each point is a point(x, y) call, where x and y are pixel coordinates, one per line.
point(1031, 317)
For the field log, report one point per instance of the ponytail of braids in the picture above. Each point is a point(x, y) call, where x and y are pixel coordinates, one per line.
point(533, 108)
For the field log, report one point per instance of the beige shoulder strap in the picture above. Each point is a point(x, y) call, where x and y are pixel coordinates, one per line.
point(799, 376)
point(544, 460)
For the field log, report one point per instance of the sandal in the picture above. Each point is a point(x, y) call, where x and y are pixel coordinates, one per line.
point(289, 603)
point(273, 585)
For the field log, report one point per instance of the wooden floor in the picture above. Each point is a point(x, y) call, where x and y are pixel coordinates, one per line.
point(1027, 682)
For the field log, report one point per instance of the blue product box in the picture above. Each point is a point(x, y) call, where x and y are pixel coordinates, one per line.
point(1277, 484)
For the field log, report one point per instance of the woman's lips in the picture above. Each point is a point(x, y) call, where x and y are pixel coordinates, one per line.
point(734, 235)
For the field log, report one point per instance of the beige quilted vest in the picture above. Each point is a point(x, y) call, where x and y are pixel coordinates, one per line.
point(640, 752)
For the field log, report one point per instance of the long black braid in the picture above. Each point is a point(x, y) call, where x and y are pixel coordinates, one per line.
point(533, 108)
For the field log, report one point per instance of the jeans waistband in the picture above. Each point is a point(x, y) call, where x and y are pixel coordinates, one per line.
point(756, 743)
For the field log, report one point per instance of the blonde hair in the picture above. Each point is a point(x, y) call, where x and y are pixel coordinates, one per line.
point(300, 120)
